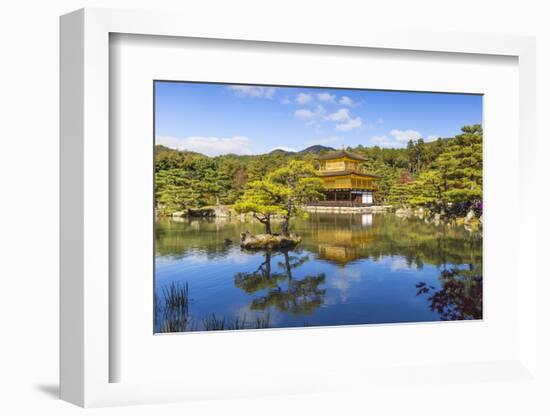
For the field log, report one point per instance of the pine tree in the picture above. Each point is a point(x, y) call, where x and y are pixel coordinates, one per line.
point(428, 190)
point(461, 167)
point(174, 191)
point(282, 192)
point(298, 187)
point(263, 199)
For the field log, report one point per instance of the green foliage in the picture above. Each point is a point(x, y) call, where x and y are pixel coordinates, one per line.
point(175, 191)
point(260, 166)
point(388, 175)
point(282, 193)
point(427, 190)
point(400, 194)
point(455, 176)
point(435, 174)
point(444, 173)
point(297, 184)
point(461, 166)
point(264, 199)
point(188, 180)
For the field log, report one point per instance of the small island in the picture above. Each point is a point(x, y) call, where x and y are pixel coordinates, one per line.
point(269, 241)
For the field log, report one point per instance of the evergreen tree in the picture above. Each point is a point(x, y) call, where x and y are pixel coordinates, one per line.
point(298, 185)
point(282, 192)
point(263, 199)
point(387, 177)
point(428, 190)
point(461, 167)
point(400, 193)
point(174, 191)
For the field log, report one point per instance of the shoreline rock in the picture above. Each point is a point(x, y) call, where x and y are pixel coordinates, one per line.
point(470, 221)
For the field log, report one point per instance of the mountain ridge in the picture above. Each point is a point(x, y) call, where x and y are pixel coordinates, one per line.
point(316, 148)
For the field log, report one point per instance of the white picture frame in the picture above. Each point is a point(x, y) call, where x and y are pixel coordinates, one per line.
point(85, 212)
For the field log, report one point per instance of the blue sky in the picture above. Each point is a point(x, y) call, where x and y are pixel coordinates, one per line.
point(216, 119)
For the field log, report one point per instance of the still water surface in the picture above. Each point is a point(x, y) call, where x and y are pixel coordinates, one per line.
point(349, 269)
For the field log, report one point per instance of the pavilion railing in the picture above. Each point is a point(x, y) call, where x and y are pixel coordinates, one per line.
point(328, 203)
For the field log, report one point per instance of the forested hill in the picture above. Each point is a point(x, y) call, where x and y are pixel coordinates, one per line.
point(187, 179)
point(396, 157)
point(317, 148)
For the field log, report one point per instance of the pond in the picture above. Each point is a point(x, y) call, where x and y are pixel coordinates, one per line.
point(349, 269)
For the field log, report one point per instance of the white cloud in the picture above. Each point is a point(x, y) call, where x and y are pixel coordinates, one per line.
point(432, 137)
point(303, 98)
point(347, 122)
point(397, 138)
point(311, 116)
point(210, 146)
point(350, 125)
point(405, 135)
point(326, 97)
point(285, 148)
point(345, 100)
point(249, 315)
point(382, 140)
point(399, 263)
point(253, 91)
point(340, 115)
point(343, 278)
point(305, 114)
point(343, 281)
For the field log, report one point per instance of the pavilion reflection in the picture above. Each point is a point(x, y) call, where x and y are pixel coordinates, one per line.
point(344, 244)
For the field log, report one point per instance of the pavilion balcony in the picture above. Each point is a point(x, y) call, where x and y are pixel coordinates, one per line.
point(340, 203)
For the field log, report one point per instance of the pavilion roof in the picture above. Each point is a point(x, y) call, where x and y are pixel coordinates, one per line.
point(341, 153)
point(346, 172)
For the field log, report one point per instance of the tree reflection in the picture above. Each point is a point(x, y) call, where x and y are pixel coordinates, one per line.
point(262, 278)
point(460, 296)
point(281, 289)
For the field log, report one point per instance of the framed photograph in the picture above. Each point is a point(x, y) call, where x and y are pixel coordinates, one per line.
point(317, 213)
point(278, 213)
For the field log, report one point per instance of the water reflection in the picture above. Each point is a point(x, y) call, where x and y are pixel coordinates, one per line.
point(460, 296)
point(348, 269)
point(283, 292)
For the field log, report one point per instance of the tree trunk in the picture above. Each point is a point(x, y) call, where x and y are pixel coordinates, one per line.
point(267, 224)
point(286, 222)
point(284, 227)
point(266, 221)
point(217, 200)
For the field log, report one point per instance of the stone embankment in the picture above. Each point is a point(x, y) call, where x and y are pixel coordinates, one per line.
point(470, 222)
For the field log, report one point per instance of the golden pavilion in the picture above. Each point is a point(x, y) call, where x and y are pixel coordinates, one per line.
point(344, 181)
